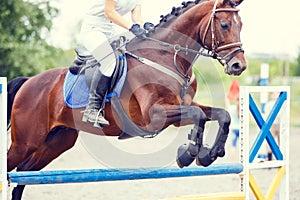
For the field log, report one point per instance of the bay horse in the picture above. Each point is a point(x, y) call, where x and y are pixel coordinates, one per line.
point(43, 127)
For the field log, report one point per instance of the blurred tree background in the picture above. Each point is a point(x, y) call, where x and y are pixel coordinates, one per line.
point(24, 28)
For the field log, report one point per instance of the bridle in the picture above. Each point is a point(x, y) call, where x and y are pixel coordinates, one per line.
point(215, 49)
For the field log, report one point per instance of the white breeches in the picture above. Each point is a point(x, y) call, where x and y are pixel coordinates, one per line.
point(97, 43)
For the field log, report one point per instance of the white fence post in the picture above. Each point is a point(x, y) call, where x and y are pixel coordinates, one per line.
point(3, 137)
point(244, 139)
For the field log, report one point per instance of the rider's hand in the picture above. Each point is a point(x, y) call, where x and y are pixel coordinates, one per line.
point(148, 26)
point(137, 31)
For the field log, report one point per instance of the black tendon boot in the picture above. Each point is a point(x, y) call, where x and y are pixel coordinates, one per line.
point(94, 110)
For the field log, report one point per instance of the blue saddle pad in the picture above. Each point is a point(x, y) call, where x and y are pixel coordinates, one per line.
point(76, 92)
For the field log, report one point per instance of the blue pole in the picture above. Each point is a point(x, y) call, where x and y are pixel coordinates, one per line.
point(265, 127)
point(95, 175)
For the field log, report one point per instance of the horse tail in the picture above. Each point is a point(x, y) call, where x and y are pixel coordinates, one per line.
point(12, 88)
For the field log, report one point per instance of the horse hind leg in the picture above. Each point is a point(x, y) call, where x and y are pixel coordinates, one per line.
point(58, 141)
point(18, 153)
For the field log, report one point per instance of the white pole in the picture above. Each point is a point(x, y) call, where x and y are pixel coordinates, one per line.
point(3, 137)
point(285, 144)
point(244, 139)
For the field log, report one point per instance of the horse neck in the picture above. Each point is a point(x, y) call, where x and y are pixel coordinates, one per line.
point(182, 30)
point(188, 24)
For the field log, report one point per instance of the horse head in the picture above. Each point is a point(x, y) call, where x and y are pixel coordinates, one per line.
point(213, 26)
point(221, 35)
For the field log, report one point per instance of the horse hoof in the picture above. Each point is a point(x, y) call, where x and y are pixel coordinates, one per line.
point(221, 153)
point(204, 158)
point(184, 156)
point(180, 165)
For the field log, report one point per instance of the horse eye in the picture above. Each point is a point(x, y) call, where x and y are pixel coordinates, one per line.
point(224, 25)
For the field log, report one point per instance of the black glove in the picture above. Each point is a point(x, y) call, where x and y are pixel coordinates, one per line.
point(137, 31)
point(148, 26)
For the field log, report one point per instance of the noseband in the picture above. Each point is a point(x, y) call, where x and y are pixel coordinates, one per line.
point(215, 49)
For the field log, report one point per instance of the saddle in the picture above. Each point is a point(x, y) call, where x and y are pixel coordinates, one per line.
point(78, 80)
point(79, 77)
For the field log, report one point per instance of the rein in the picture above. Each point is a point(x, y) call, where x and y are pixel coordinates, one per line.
point(185, 83)
point(162, 68)
point(177, 48)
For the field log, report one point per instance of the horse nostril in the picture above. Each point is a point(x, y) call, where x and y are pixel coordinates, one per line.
point(236, 66)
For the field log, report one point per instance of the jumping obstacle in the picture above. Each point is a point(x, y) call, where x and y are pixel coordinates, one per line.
point(249, 152)
point(243, 168)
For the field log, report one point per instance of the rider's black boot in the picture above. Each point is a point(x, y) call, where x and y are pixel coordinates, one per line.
point(94, 110)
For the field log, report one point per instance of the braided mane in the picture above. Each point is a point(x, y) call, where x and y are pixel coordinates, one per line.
point(176, 11)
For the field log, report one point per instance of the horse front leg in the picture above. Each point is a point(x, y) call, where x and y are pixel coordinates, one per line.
point(182, 115)
point(208, 155)
point(198, 115)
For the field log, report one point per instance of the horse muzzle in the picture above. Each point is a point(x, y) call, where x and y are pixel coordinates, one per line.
point(233, 58)
point(235, 67)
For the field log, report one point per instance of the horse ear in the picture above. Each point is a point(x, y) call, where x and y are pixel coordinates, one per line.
point(232, 3)
point(237, 2)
